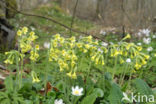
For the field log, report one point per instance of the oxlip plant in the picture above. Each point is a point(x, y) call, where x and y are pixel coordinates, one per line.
point(80, 71)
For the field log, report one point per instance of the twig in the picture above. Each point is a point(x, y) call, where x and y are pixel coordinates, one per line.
point(52, 20)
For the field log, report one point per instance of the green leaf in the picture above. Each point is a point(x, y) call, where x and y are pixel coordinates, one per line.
point(98, 92)
point(60, 85)
point(115, 94)
point(90, 99)
point(9, 83)
point(142, 87)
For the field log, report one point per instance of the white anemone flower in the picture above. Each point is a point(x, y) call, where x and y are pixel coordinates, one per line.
point(102, 32)
point(139, 33)
point(128, 60)
point(125, 97)
point(104, 44)
point(146, 32)
point(32, 28)
point(154, 37)
point(58, 101)
point(111, 43)
point(149, 49)
point(100, 50)
point(147, 40)
point(77, 91)
point(46, 45)
point(139, 44)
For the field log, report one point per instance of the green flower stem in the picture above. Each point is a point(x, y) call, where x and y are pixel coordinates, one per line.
point(103, 79)
point(106, 58)
point(130, 77)
point(65, 88)
point(46, 71)
point(89, 67)
point(21, 70)
point(114, 69)
point(124, 73)
point(18, 72)
point(121, 75)
point(75, 101)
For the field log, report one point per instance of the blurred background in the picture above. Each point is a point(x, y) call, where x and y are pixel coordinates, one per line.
point(85, 17)
point(110, 13)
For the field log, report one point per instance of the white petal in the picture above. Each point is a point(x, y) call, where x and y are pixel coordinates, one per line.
point(77, 88)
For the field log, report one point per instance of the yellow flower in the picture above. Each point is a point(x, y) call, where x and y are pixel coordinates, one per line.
point(36, 80)
point(72, 45)
point(121, 61)
point(103, 63)
point(69, 74)
point(24, 30)
point(62, 40)
point(73, 64)
point(96, 42)
point(89, 39)
point(144, 62)
point(147, 56)
point(127, 37)
point(97, 60)
point(79, 45)
point(116, 53)
point(93, 57)
point(87, 46)
point(155, 54)
point(25, 47)
point(72, 39)
point(74, 57)
point(93, 48)
point(19, 32)
point(37, 47)
point(34, 77)
point(8, 61)
point(6, 53)
point(31, 33)
point(57, 36)
point(54, 43)
point(73, 76)
point(137, 66)
point(61, 69)
point(34, 55)
point(63, 52)
point(85, 51)
point(32, 36)
point(128, 46)
point(139, 48)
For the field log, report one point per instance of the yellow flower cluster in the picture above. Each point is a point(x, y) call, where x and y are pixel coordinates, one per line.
point(25, 42)
point(26, 39)
point(12, 55)
point(67, 52)
point(34, 53)
point(123, 50)
point(34, 77)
